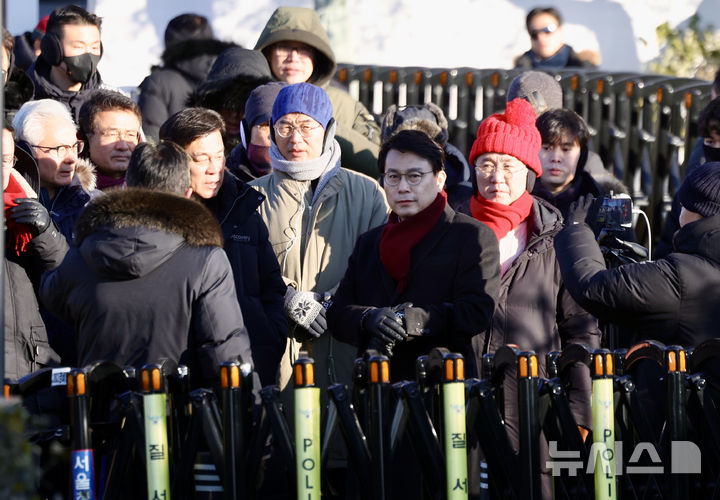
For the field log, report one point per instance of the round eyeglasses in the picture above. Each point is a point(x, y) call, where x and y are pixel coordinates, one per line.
point(394, 178)
point(488, 170)
point(285, 130)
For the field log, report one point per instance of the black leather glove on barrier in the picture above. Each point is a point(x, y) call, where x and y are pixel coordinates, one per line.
point(578, 212)
point(383, 324)
point(30, 212)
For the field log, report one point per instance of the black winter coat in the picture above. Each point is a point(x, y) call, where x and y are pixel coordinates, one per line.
point(674, 300)
point(536, 312)
point(166, 90)
point(258, 282)
point(453, 286)
point(26, 342)
point(149, 280)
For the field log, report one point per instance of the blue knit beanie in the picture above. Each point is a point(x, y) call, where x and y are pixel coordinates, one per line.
point(700, 191)
point(304, 98)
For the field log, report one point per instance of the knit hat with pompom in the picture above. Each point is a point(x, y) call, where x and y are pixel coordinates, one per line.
point(513, 133)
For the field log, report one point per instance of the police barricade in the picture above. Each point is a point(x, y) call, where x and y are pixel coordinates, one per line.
point(655, 428)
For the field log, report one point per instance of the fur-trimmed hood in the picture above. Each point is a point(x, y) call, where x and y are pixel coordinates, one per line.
point(134, 207)
point(125, 234)
point(85, 173)
point(189, 49)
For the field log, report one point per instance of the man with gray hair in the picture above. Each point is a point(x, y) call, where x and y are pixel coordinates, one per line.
point(46, 130)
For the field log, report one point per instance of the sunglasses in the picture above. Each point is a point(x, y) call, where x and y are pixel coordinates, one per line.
point(550, 28)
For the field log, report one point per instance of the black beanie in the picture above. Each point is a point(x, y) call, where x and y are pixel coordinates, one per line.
point(700, 191)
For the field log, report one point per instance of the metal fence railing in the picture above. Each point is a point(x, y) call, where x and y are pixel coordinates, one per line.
point(643, 126)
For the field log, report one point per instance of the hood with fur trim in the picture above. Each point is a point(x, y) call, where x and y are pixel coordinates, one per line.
point(135, 207)
point(126, 234)
point(85, 173)
point(300, 24)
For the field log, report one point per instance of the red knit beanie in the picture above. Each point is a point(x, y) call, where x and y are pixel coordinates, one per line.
point(513, 133)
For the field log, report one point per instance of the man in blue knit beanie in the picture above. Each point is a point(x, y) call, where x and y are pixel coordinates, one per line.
point(315, 210)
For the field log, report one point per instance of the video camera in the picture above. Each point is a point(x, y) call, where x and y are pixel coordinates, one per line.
point(613, 213)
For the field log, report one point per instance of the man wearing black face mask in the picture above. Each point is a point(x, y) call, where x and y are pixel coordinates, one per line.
point(67, 67)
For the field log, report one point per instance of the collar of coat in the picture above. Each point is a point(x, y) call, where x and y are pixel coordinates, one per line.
point(701, 237)
point(134, 207)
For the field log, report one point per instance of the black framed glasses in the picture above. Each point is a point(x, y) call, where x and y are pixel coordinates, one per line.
point(550, 28)
point(394, 178)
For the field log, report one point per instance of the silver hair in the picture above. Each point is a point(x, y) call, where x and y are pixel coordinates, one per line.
point(31, 120)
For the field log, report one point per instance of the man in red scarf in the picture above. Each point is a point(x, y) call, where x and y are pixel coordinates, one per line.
point(428, 278)
point(33, 245)
point(534, 310)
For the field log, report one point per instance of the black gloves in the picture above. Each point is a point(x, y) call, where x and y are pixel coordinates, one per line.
point(578, 212)
point(30, 212)
point(384, 325)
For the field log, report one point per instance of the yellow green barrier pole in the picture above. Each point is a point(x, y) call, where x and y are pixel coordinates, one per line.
point(157, 458)
point(453, 393)
point(603, 417)
point(307, 430)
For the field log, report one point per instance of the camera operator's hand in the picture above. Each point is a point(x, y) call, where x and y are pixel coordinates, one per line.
point(578, 212)
point(384, 326)
point(30, 212)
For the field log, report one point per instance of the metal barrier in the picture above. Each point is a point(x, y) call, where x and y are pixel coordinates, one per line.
point(643, 126)
point(655, 430)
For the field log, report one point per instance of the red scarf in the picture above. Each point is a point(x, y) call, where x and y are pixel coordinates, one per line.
point(501, 218)
point(399, 237)
point(18, 234)
point(107, 182)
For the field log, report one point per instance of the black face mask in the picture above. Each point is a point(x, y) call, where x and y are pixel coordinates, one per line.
point(711, 153)
point(81, 68)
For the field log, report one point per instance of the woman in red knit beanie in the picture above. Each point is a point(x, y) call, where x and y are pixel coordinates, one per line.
point(534, 311)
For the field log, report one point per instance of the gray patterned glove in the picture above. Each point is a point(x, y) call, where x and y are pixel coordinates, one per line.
point(305, 309)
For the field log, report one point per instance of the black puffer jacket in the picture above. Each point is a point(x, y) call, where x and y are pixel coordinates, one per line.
point(26, 342)
point(149, 280)
point(258, 282)
point(536, 312)
point(673, 300)
point(166, 90)
point(39, 73)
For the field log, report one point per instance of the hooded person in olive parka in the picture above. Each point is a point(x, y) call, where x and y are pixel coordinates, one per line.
point(298, 50)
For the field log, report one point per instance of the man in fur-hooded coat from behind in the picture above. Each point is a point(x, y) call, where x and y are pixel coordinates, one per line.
point(147, 280)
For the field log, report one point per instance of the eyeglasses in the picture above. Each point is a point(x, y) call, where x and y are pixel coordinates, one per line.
point(550, 28)
point(60, 152)
point(115, 135)
point(9, 161)
point(488, 170)
point(285, 129)
point(283, 50)
point(394, 178)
